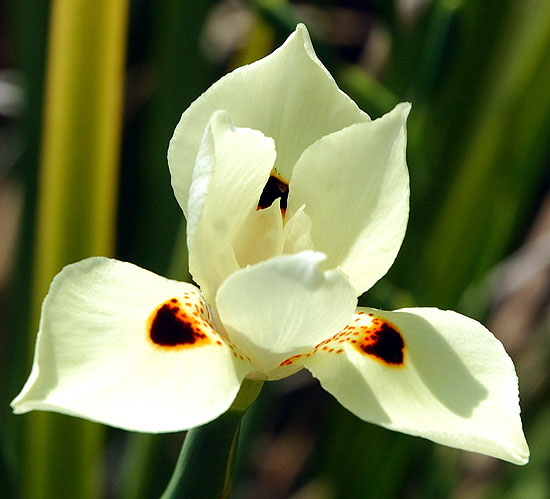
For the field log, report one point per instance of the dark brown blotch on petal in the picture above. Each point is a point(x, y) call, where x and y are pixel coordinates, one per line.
point(173, 325)
point(384, 342)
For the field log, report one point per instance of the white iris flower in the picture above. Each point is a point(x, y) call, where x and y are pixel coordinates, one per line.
point(296, 203)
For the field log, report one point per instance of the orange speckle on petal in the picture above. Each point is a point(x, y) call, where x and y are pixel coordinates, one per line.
point(292, 360)
point(373, 336)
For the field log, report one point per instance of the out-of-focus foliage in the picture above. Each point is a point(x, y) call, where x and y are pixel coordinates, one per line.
point(478, 239)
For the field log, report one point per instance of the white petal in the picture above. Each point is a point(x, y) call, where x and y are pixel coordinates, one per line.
point(231, 171)
point(288, 95)
point(261, 236)
point(452, 382)
point(297, 233)
point(355, 187)
point(283, 306)
point(96, 358)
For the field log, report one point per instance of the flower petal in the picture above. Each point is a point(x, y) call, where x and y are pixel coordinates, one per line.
point(297, 233)
point(283, 306)
point(120, 345)
point(289, 95)
point(231, 170)
point(261, 236)
point(355, 186)
point(426, 372)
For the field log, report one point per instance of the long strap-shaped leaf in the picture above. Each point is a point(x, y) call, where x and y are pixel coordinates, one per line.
point(76, 209)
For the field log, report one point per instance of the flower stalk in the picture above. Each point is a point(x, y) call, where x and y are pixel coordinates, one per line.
point(205, 464)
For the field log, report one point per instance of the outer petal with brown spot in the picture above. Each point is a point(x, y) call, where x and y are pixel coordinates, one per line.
point(123, 346)
point(425, 372)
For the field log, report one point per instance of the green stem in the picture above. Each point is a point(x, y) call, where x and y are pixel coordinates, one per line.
point(205, 463)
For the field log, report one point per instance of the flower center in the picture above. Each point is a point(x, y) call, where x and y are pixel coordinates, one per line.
point(274, 188)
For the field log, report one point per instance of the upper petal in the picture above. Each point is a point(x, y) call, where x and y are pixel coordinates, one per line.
point(355, 187)
point(288, 95)
point(231, 170)
point(282, 306)
point(120, 345)
point(426, 372)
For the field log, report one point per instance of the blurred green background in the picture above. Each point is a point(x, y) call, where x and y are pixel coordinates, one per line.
point(478, 240)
